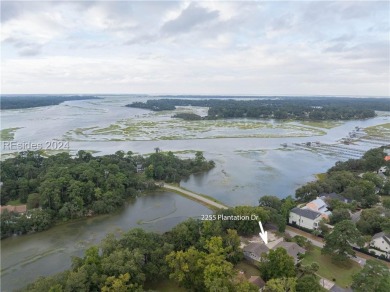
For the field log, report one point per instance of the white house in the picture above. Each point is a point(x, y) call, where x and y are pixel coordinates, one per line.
point(306, 218)
point(381, 241)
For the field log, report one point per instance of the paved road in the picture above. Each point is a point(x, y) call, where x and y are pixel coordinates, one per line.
point(195, 196)
point(360, 257)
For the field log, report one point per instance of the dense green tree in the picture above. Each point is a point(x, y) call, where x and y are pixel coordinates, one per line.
point(48, 283)
point(374, 178)
point(287, 204)
point(242, 285)
point(185, 234)
point(33, 201)
point(284, 284)
point(308, 283)
point(374, 277)
point(292, 108)
point(339, 242)
point(385, 225)
point(370, 221)
point(373, 159)
point(188, 268)
point(277, 264)
point(67, 188)
point(302, 241)
point(244, 227)
point(386, 188)
point(271, 202)
point(386, 203)
point(339, 215)
point(120, 284)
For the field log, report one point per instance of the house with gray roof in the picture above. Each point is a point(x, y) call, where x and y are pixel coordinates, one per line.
point(293, 249)
point(254, 250)
point(259, 282)
point(333, 196)
point(306, 218)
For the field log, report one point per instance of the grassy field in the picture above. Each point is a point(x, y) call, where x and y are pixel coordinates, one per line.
point(166, 128)
point(14, 203)
point(342, 274)
point(322, 124)
point(382, 130)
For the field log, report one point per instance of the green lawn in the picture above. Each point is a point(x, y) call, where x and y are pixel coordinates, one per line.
point(165, 286)
point(329, 270)
point(247, 268)
point(14, 202)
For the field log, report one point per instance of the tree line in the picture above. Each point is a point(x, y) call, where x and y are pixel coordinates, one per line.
point(355, 179)
point(62, 187)
point(198, 256)
point(281, 108)
point(28, 101)
point(358, 181)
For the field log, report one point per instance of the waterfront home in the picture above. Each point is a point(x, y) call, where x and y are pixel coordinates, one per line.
point(319, 206)
point(306, 218)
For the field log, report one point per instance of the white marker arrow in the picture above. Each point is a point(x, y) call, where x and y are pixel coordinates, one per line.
point(263, 234)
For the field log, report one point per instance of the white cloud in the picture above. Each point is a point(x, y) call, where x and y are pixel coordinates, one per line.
point(196, 47)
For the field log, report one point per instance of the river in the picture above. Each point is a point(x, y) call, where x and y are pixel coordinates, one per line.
point(250, 163)
point(24, 258)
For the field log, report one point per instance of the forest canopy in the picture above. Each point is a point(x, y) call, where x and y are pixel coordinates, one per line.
point(317, 109)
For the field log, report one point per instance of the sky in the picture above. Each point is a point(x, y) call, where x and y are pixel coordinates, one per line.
point(198, 47)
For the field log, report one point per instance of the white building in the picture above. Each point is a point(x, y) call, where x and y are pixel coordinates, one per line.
point(306, 218)
point(381, 241)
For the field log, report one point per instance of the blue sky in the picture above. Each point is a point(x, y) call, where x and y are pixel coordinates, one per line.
point(201, 47)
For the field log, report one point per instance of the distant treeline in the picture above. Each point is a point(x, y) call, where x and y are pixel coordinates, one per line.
point(27, 101)
point(325, 108)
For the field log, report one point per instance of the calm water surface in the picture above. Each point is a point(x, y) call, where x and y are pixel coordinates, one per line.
point(24, 258)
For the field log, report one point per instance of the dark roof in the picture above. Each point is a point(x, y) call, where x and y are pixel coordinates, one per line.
point(334, 196)
point(256, 248)
point(257, 281)
point(307, 213)
point(292, 248)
